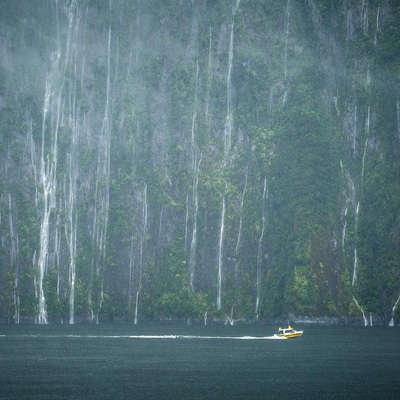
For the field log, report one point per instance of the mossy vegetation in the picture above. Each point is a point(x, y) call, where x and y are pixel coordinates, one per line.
point(242, 149)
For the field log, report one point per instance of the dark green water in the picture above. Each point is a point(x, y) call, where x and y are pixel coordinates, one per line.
point(103, 362)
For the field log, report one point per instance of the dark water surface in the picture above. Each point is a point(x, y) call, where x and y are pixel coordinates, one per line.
point(113, 362)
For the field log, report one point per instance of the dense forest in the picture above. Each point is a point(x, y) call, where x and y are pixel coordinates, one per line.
point(199, 159)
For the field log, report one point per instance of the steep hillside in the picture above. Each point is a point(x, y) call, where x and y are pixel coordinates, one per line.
point(236, 159)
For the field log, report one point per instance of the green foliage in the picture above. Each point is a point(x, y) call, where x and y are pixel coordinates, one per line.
point(56, 305)
point(303, 83)
point(108, 309)
point(302, 293)
point(26, 293)
point(7, 294)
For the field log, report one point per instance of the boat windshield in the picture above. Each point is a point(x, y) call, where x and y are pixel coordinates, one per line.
point(285, 331)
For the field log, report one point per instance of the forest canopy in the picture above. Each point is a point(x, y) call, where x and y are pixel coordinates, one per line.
point(231, 159)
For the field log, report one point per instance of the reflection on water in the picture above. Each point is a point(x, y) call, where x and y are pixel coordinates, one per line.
point(197, 362)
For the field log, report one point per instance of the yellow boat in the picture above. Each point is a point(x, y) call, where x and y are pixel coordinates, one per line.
point(288, 333)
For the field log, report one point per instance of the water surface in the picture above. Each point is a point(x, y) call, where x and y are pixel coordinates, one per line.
point(197, 362)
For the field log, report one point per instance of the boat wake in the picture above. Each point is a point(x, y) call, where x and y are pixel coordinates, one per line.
point(160, 337)
point(203, 337)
